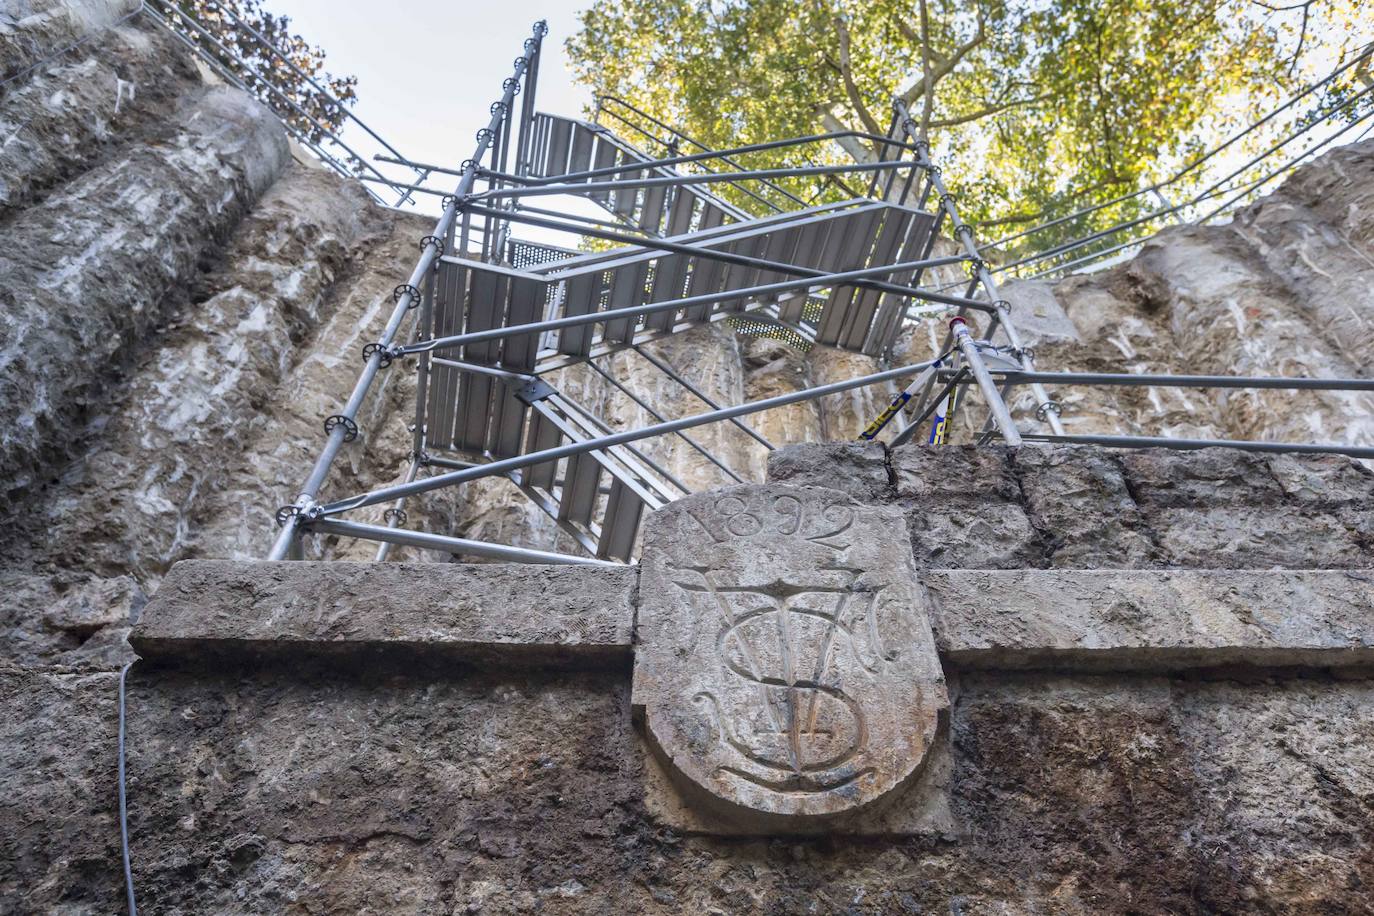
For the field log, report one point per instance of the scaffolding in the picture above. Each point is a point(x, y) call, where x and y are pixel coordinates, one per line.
point(695, 237)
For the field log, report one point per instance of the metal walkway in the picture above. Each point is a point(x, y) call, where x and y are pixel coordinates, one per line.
point(485, 399)
point(569, 147)
point(489, 317)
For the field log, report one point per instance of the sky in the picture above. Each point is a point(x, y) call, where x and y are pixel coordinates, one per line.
point(428, 72)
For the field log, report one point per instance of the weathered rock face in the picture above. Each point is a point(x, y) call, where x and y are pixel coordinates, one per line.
point(84, 285)
point(182, 304)
point(1283, 289)
point(31, 30)
point(64, 118)
point(1119, 774)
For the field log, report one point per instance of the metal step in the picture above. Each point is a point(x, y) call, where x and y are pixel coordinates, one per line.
point(836, 237)
point(604, 520)
point(566, 145)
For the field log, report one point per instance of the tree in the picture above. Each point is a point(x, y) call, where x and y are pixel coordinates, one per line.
point(1035, 107)
point(282, 69)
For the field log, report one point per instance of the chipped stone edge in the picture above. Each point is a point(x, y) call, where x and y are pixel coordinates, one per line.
point(179, 627)
point(960, 648)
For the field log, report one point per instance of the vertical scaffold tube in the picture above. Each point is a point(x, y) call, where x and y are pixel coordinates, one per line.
point(1046, 407)
point(432, 247)
point(1000, 415)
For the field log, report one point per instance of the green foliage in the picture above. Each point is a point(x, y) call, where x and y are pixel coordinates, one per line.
point(1039, 106)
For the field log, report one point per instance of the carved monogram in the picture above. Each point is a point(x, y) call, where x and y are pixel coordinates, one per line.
point(788, 716)
point(786, 665)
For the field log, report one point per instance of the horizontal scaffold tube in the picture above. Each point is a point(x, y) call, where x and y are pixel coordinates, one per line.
point(581, 188)
point(1245, 445)
point(642, 165)
point(635, 311)
point(715, 254)
point(408, 538)
point(576, 448)
point(1130, 379)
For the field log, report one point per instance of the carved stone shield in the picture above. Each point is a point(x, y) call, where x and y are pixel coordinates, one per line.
point(784, 661)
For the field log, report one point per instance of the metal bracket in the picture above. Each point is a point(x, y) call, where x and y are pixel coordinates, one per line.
point(350, 428)
point(534, 390)
point(387, 353)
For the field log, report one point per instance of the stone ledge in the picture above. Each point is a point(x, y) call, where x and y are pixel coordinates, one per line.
point(1153, 620)
point(502, 613)
point(1145, 621)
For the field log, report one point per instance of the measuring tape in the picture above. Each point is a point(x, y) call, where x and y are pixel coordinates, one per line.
point(900, 401)
point(937, 429)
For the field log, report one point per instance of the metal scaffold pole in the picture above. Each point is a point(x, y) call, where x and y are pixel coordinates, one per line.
point(1047, 408)
point(342, 427)
point(688, 236)
point(1001, 416)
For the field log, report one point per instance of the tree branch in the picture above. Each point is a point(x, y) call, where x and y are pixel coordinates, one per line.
point(946, 66)
point(1284, 9)
point(847, 74)
point(927, 106)
point(855, 147)
point(1023, 218)
point(1362, 70)
point(1306, 7)
point(1302, 36)
point(990, 110)
point(914, 37)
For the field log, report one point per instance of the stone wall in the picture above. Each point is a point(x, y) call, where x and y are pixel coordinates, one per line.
point(1147, 715)
point(183, 299)
point(1090, 508)
point(1157, 664)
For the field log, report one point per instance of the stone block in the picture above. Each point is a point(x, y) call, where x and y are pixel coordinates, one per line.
point(1323, 480)
point(506, 612)
point(100, 603)
point(857, 468)
point(1153, 620)
point(954, 473)
point(1207, 477)
point(1077, 497)
point(785, 673)
point(1256, 537)
point(977, 535)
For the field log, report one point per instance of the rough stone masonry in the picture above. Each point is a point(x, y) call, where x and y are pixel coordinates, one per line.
point(1157, 668)
point(1156, 664)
